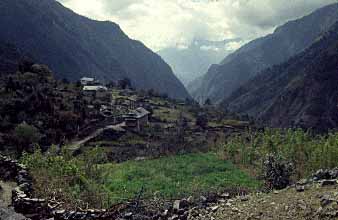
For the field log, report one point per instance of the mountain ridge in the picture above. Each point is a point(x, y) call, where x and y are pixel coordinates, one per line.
point(287, 40)
point(75, 46)
point(298, 93)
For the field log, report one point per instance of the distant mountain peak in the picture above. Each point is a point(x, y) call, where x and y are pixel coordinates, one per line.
point(191, 61)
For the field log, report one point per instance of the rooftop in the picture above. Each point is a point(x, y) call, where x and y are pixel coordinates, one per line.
point(95, 88)
point(88, 79)
point(141, 112)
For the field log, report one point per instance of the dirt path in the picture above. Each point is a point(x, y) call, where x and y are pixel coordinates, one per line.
point(78, 144)
point(6, 212)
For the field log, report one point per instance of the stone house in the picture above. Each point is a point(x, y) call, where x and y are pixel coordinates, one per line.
point(137, 119)
point(97, 92)
point(87, 81)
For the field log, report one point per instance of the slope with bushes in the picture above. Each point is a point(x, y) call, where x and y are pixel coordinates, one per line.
point(286, 41)
point(301, 92)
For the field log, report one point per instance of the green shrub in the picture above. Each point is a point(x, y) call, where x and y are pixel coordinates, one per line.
point(26, 135)
point(308, 153)
point(76, 181)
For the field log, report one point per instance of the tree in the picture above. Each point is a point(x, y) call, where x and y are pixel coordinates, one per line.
point(207, 102)
point(202, 120)
point(124, 83)
point(10, 85)
point(25, 64)
point(111, 84)
point(26, 135)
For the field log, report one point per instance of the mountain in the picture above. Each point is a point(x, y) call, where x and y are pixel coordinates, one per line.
point(9, 58)
point(301, 92)
point(194, 60)
point(74, 46)
point(286, 41)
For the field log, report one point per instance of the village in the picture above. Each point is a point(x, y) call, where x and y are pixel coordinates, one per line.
point(130, 124)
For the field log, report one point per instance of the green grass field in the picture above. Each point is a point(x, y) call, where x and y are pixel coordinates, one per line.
point(174, 177)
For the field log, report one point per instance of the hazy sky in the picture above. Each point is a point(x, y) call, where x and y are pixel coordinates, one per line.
point(164, 23)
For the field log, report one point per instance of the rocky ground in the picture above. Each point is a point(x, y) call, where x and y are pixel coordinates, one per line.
point(309, 201)
point(6, 212)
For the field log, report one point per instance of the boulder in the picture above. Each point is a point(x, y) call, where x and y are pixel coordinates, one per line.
point(180, 204)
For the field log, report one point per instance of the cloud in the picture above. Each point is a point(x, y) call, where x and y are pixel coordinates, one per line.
point(164, 23)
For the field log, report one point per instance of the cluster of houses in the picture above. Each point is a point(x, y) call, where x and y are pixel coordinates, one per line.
point(134, 115)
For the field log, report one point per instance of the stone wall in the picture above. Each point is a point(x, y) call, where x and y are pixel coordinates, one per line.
point(39, 209)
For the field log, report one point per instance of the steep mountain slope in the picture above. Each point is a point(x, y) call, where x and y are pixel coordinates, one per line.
point(9, 57)
point(74, 46)
point(302, 92)
point(287, 41)
point(194, 60)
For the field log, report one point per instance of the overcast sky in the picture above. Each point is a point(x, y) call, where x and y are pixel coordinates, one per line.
point(164, 23)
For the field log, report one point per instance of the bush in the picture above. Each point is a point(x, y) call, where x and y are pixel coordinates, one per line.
point(276, 172)
point(25, 136)
point(74, 181)
point(306, 152)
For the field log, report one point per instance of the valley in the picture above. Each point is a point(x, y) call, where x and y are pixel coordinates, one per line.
point(94, 125)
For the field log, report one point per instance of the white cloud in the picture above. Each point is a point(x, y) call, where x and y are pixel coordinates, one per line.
point(163, 23)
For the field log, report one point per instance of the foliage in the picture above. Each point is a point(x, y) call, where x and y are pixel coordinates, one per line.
point(276, 172)
point(308, 153)
point(202, 120)
point(84, 182)
point(175, 176)
point(75, 181)
point(26, 135)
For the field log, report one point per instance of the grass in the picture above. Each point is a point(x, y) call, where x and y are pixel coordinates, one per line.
point(87, 181)
point(174, 177)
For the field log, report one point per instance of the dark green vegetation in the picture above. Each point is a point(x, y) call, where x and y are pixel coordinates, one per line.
point(301, 92)
point(254, 57)
point(308, 153)
point(37, 109)
point(74, 46)
point(81, 181)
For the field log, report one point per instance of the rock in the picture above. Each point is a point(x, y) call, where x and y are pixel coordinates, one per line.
point(326, 200)
point(180, 204)
point(165, 213)
point(190, 199)
point(214, 208)
point(302, 204)
point(225, 196)
point(334, 173)
point(332, 214)
point(203, 199)
point(328, 182)
point(300, 188)
point(321, 174)
point(128, 215)
point(302, 182)
point(234, 209)
point(244, 198)
point(174, 217)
